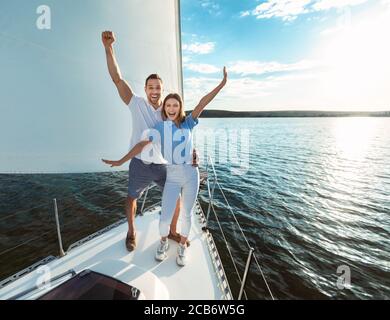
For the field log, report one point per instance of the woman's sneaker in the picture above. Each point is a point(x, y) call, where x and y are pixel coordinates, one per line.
point(181, 259)
point(162, 249)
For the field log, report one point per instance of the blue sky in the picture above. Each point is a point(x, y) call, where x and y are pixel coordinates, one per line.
point(288, 54)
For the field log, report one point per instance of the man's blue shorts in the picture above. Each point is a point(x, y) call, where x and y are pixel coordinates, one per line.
point(141, 175)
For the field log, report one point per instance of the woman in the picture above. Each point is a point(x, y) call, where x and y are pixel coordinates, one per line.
point(173, 138)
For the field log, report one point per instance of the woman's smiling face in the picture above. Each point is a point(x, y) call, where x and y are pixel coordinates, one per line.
point(172, 109)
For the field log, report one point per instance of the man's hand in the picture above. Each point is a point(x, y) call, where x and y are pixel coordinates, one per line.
point(108, 38)
point(112, 163)
point(195, 158)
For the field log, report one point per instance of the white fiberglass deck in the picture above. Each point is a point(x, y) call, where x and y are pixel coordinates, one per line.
point(107, 254)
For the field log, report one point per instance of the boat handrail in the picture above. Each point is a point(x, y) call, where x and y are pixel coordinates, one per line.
point(5, 282)
point(251, 253)
point(45, 283)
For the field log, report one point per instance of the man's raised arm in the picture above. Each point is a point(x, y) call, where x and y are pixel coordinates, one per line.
point(125, 92)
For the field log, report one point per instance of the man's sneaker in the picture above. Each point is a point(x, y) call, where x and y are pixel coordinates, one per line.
point(131, 243)
point(162, 249)
point(181, 259)
point(177, 237)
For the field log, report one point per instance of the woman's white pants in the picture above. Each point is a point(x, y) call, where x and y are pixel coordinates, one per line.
point(181, 179)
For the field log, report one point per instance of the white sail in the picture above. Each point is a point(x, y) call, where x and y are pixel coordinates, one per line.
point(59, 110)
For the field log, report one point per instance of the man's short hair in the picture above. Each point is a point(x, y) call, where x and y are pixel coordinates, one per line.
point(153, 76)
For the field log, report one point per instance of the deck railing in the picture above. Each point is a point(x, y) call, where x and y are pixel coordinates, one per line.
point(212, 184)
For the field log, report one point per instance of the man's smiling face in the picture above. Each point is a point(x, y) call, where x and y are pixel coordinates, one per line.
point(153, 90)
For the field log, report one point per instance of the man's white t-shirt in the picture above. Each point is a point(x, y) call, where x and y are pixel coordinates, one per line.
point(144, 116)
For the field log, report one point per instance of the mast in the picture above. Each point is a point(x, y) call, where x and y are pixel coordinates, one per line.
point(179, 48)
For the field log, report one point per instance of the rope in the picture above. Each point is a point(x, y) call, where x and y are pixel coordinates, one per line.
point(42, 235)
point(47, 205)
point(227, 246)
point(242, 232)
point(23, 243)
point(33, 239)
point(151, 206)
point(22, 211)
point(107, 206)
point(262, 274)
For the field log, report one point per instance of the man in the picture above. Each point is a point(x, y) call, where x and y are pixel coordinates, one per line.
point(145, 113)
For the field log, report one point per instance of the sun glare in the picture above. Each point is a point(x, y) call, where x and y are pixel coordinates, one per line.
point(353, 136)
point(356, 62)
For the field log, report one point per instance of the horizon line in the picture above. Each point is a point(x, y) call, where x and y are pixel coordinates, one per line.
point(300, 110)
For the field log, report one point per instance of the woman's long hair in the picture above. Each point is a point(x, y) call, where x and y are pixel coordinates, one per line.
point(177, 97)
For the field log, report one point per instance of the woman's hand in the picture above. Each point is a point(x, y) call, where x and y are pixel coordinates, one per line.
point(112, 163)
point(209, 97)
point(225, 75)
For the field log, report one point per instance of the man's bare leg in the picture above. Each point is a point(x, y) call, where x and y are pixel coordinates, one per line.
point(131, 208)
point(183, 241)
point(175, 218)
point(173, 234)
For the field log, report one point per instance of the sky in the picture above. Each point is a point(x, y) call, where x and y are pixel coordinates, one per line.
point(288, 54)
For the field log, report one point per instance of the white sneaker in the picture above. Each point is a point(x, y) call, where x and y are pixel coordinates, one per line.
point(162, 249)
point(181, 259)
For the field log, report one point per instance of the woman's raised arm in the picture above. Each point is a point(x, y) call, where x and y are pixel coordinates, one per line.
point(209, 97)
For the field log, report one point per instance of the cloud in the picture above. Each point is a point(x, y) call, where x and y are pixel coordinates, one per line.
point(330, 4)
point(245, 85)
point(186, 59)
point(245, 13)
point(248, 93)
point(289, 10)
point(201, 68)
point(248, 67)
point(259, 68)
point(211, 7)
point(199, 48)
point(237, 90)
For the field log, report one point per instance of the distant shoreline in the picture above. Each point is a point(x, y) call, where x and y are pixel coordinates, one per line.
point(291, 114)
